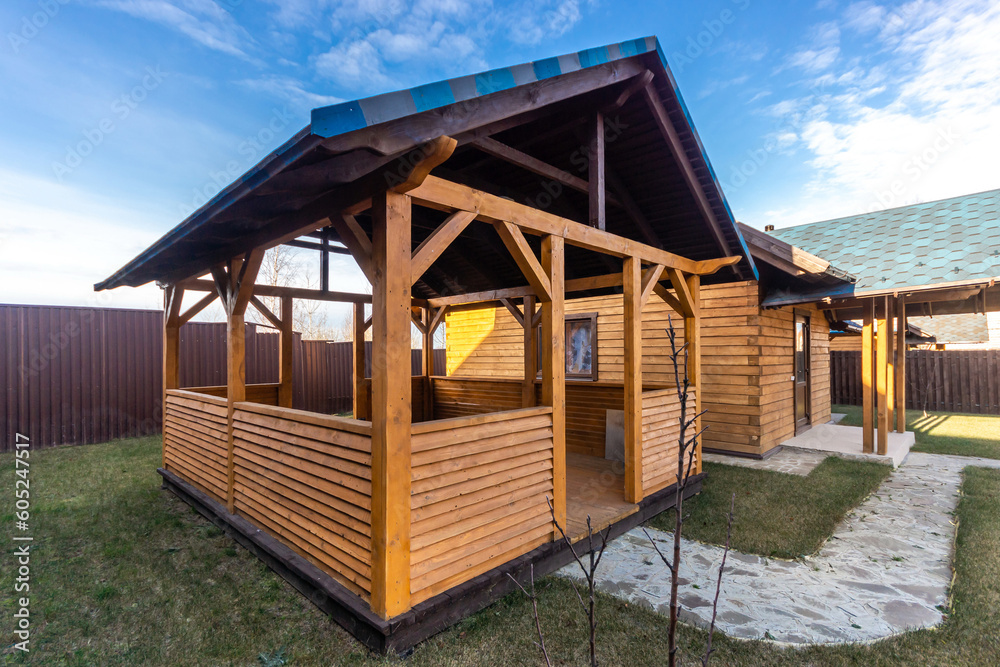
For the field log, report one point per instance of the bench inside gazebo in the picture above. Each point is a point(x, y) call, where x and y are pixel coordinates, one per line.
point(408, 516)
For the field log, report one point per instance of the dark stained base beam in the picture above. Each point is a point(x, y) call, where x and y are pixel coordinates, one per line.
point(402, 633)
point(744, 455)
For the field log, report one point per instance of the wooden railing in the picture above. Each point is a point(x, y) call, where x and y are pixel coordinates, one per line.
point(478, 495)
point(195, 440)
point(306, 479)
point(660, 429)
point(265, 394)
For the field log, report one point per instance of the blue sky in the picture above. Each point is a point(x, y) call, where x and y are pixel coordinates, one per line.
point(121, 116)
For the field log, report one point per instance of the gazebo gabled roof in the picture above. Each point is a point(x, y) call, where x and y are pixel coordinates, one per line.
point(662, 188)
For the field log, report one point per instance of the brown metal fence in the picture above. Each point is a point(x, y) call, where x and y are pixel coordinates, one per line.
point(82, 375)
point(936, 380)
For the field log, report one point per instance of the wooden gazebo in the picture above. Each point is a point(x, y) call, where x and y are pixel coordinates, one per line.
point(401, 520)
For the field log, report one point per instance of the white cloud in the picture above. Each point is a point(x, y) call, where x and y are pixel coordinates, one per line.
point(921, 124)
point(202, 20)
point(822, 52)
point(353, 65)
point(291, 90)
point(392, 43)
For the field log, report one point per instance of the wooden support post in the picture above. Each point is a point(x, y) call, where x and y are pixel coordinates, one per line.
point(901, 365)
point(391, 409)
point(172, 297)
point(236, 389)
point(881, 376)
point(867, 377)
point(692, 337)
point(428, 365)
point(286, 343)
point(360, 404)
point(595, 175)
point(632, 293)
point(530, 353)
point(236, 290)
point(554, 368)
point(890, 361)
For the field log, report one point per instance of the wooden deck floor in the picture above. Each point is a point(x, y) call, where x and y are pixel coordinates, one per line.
point(594, 487)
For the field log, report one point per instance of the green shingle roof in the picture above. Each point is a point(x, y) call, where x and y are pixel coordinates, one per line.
point(947, 241)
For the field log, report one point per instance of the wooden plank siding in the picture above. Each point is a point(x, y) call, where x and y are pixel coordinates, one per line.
point(746, 363)
point(194, 440)
point(305, 478)
point(478, 496)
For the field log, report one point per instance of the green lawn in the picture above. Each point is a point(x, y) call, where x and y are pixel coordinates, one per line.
point(944, 432)
point(778, 515)
point(125, 574)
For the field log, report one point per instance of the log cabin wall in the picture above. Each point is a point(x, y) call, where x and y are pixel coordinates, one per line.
point(195, 440)
point(746, 366)
point(305, 478)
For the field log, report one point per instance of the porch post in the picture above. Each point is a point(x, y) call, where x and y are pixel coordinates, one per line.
point(900, 392)
point(554, 368)
point(881, 375)
point(359, 409)
point(390, 408)
point(428, 363)
point(241, 279)
point(172, 297)
point(632, 293)
point(890, 361)
point(528, 398)
point(867, 377)
point(692, 337)
point(286, 341)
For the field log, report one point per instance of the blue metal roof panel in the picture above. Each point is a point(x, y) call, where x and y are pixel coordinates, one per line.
point(337, 119)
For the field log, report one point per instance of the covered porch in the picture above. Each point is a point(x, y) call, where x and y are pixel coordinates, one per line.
point(437, 480)
point(409, 515)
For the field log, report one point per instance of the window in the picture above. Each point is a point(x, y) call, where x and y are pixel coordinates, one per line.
point(581, 346)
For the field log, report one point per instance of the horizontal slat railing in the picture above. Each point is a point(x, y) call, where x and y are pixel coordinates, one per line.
point(195, 440)
point(661, 411)
point(305, 478)
point(478, 495)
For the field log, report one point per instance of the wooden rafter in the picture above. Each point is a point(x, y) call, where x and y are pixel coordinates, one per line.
point(525, 258)
point(173, 295)
point(432, 153)
point(514, 310)
point(595, 174)
point(650, 278)
point(437, 318)
point(666, 128)
point(446, 195)
point(201, 305)
point(198, 285)
point(687, 300)
point(618, 187)
point(668, 298)
point(576, 285)
point(431, 248)
point(266, 312)
point(355, 240)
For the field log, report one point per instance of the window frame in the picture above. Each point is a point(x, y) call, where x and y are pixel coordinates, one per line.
point(590, 376)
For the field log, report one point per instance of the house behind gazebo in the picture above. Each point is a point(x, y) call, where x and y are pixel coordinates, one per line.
point(409, 516)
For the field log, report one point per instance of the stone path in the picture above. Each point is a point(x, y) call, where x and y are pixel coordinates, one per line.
point(789, 461)
point(885, 570)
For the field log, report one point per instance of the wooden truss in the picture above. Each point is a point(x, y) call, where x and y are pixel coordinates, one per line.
point(393, 266)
